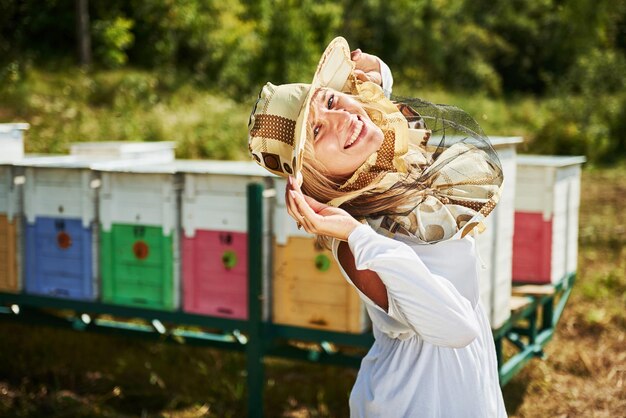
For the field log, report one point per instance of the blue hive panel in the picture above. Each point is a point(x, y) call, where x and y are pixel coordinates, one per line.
point(58, 259)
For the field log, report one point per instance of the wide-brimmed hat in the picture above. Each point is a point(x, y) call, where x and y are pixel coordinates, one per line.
point(277, 129)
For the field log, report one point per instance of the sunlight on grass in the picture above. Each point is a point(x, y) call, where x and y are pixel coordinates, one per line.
point(131, 105)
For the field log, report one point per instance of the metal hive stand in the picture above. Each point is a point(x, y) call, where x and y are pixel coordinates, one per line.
point(535, 313)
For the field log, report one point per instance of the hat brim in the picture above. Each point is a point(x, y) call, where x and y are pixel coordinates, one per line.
point(333, 70)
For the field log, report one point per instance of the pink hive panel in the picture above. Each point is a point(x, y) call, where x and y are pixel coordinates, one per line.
point(215, 274)
point(532, 248)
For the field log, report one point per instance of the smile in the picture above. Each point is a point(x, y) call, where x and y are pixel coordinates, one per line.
point(359, 132)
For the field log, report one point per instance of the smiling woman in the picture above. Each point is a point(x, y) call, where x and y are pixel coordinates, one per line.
point(343, 134)
point(396, 190)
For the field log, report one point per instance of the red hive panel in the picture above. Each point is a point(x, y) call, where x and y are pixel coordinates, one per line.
point(532, 248)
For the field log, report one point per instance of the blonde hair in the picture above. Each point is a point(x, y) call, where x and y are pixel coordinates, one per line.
point(321, 186)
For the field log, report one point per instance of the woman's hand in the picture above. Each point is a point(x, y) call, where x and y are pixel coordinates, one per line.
point(367, 67)
point(318, 218)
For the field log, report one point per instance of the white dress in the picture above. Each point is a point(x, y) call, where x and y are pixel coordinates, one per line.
point(433, 354)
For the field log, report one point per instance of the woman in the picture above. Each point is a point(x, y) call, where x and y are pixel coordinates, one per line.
point(414, 263)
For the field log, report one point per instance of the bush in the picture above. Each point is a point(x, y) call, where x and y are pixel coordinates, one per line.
point(589, 125)
point(588, 115)
point(112, 38)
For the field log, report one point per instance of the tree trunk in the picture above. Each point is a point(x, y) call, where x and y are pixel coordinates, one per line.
point(82, 32)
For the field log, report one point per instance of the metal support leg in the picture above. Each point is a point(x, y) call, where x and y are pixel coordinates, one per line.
point(547, 312)
point(532, 328)
point(254, 351)
point(498, 342)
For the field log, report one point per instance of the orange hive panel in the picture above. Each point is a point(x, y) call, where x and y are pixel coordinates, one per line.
point(8, 255)
point(309, 290)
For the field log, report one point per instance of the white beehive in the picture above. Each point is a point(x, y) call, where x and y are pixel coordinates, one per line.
point(215, 236)
point(139, 234)
point(284, 226)
point(12, 141)
point(495, 244)
point(546, 211)
point(60, 236)
point(214, 194)
point(156, 152)
point(59, 187)
point(138, 194)
point(9, 197)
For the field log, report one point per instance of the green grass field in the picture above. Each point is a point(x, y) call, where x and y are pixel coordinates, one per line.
point(131, 105)
point(58, 373)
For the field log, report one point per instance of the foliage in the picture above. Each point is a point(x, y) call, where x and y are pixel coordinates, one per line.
point(588, 114)
point(497, 46)
point(139, 105)
point(127, 105)
point(568, 51)
point(113, 38)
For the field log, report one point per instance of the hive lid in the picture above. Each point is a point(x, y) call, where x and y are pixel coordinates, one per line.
point(61, 161)
point(8, 127)
point(238, 168)
point(498, 141)
point(119, 148)
point(550, 160)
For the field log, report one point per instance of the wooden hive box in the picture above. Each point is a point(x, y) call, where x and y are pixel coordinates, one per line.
point(12, 141)
point(10, 227)
point(215, 236)
point(546, 218)
point(139, 242)
point(495, 244)
point(308, 288)
point(59, 209)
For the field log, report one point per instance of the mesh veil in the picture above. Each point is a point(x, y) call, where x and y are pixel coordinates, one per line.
point(450, 179)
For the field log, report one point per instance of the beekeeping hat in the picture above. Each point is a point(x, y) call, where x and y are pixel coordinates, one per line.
point(277, 128)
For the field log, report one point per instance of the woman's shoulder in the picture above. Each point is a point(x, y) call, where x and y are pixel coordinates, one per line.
point(387, 227)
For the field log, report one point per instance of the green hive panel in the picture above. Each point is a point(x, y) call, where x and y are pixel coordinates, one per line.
point(137, 267)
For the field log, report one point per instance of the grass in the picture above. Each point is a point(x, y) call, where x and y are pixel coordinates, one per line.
point(133, 105)
point(61, 373)
point(126, 105)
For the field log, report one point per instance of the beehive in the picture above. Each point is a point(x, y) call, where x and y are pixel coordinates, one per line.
point(495, 244)
point(139, 252)
point(60, 236)
point(12, 149)
point(10, 277)
point(215, 237)
point(12, 141)
point(546, 218)
point(308, 287)
point(59, 209)
point(155, 152)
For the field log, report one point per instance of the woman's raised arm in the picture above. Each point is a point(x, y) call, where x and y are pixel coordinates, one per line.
point(371, 68)
point(384, 268)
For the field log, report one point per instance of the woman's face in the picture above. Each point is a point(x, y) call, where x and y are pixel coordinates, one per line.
point(343, 134)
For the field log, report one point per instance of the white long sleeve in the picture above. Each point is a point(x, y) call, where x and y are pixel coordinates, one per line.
point(387, 78)
point(433, 354)
point(427, 303)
